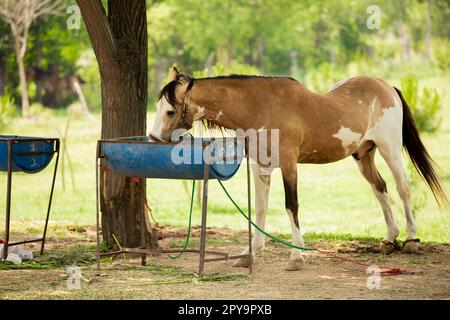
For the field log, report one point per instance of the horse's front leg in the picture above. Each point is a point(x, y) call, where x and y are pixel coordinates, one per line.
point(289, 172)
point(262, 187)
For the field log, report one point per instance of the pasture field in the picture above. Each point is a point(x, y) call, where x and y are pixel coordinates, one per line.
point(334, 198)
point(337, 209)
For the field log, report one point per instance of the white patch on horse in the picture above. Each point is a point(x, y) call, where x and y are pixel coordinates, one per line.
point(219, 114)
point(348, 138)
point(387, 128)
point(297, 238)
point(383, 199)
point(261, 177)
point(161, 109)
point(373, 106)
point(371, 114)
point(340, 83)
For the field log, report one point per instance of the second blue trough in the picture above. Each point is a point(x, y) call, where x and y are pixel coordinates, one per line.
point(29, 154)
point(139, 157)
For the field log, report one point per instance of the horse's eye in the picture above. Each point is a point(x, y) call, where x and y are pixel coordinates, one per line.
point(170, 113)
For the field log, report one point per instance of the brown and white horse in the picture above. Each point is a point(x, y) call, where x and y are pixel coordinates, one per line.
point(358, 116)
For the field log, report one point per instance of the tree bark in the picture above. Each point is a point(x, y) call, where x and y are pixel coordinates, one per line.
point(3, 64)
point(261, 54)
point(428, 35)
point(37, 63)
point(23, 80)
point(295, 69)
point(120, 40)
point(406, 42)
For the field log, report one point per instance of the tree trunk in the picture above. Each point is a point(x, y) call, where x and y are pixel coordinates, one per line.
point(120, 44)
point(261, 54)
point(22, 79)
point(23, 88)
point(295, 69)
point(122, 198)
point(37, 63)
point(3, 64)
point(406, 42)
point(429, 30)
point(209, 62)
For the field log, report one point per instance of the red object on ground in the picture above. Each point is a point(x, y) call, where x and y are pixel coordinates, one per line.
point(2, 241)
point(386, 271)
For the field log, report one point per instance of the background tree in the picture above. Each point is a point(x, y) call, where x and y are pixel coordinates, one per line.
point(19, 15)
point(119, 40)
point(4, 52)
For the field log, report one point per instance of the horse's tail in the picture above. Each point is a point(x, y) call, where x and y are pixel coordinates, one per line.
point(419, 155)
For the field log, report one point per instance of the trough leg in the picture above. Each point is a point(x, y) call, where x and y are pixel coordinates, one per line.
point(8, 201)
point(97, 203)
point(51, 198)
point(249, 205)
point(203, 227)
point(143, 230)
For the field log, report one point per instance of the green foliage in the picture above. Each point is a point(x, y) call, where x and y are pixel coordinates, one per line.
point(219, 70)
point(419, 198)
point(442, 54)
point(323, 77)
point(424, 105)
point(38, 111)
point(87, 69)
point(319, 41)
point(7, 110)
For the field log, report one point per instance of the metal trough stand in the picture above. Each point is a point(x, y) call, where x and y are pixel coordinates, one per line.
point(221, 256)
point(9, 170)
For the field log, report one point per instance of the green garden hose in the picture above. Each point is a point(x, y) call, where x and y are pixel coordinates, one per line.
point(188, 235)
point(257, 227)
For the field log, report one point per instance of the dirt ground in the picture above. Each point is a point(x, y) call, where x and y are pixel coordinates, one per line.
point(163, 278)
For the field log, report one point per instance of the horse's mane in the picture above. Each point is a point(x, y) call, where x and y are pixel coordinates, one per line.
point(168, 91)
point(245, 76)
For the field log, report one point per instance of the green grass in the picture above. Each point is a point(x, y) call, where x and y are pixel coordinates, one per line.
point(79, 254)
point(187, 277)
point(334, 199)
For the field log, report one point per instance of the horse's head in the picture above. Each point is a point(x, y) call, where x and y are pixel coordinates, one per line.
point(172, 109)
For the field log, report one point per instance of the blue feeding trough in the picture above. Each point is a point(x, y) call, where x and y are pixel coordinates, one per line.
point(140, 157)
point(29, 155)
point(190, 159)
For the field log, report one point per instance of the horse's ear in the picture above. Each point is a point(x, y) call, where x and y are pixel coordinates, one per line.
point(185, 83)
point(174, 74)
point(184, 78)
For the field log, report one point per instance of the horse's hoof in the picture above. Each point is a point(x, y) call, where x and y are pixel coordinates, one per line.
point(294, 265)
point(388, 247)
point(411, 246)
point(242, 263)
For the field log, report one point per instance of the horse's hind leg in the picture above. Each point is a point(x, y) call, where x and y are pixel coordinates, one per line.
point(262, 187)
point(289, 172)
point(368, 169)
point(393, 158)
